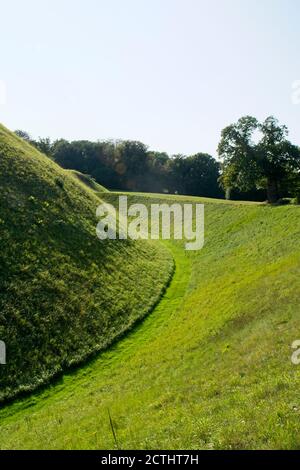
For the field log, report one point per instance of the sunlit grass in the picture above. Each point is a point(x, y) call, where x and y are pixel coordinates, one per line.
point(209, 368)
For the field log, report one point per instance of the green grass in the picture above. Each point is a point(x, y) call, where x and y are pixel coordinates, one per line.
point(87, 181)
point(65, 295)
point(209, 368)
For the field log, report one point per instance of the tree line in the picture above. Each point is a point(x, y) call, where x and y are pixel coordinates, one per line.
point(256, 161)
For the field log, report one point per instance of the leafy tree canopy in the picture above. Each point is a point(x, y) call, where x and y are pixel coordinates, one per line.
point(257, 155)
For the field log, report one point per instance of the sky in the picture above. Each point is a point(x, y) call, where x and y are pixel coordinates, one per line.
point(170, 73)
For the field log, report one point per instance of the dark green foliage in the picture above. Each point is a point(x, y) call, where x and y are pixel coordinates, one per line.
point(196, 175)
point(291, 186)
point(268, 164)
point(129, 165)
point(64, 294)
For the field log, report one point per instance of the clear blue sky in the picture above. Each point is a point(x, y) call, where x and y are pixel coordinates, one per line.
point(171, 73)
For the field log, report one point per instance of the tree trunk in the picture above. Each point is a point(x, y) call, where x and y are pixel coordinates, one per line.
point(272, 191)
point(228, 194)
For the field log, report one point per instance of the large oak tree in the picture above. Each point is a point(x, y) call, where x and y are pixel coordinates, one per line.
point(248, 163)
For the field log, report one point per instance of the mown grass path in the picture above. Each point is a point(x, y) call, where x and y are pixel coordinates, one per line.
point(34, 421)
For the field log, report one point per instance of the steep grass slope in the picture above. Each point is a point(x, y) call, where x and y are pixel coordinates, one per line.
point(64, 293)
point(209, 368)
point(87, 180)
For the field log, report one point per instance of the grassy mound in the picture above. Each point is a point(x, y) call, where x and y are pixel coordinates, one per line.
point(64, 294)
point(87, 180)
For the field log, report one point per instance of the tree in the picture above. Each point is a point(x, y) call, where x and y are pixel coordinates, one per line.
point(156, 178)
point(23, 135)
point(44, 145)
point(131, 163)
point(178, 170)
point(277, 158)
point(291, 185)
point(201, 178)
point(196, 175)
point(247, 164)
